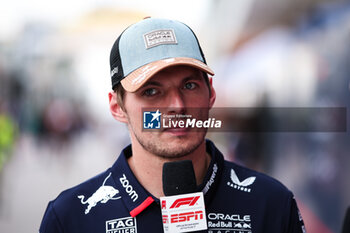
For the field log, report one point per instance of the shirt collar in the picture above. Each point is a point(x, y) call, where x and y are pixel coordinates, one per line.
point(212, 177)
point(137, 199)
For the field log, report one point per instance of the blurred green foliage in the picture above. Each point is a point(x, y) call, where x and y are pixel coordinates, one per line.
point(8, 131)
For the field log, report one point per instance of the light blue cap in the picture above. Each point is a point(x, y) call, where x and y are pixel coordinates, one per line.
point(151, 45)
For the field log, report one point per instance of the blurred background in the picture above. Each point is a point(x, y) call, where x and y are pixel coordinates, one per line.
point(56, 130)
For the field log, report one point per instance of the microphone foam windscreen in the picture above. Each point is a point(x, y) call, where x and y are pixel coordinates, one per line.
point(178, 178)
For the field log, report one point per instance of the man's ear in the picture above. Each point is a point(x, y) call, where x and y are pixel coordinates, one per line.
point(212, 97)
point(117, 111)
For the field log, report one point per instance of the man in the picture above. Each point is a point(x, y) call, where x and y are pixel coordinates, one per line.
point(158, 64)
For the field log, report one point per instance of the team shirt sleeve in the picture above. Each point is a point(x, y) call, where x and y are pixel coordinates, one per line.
point(50, 223)
point(296, 223)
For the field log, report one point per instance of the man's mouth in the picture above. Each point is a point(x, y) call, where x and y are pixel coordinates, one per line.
point(177, 131)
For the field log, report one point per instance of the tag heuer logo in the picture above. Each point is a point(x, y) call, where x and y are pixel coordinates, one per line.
point(240, 185)
point(158, 37)
point(127, 224)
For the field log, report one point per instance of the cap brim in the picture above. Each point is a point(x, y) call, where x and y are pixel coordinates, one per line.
point(138, 77)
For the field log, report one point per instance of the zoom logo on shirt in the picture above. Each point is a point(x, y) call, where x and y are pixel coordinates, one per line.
point(128, 188)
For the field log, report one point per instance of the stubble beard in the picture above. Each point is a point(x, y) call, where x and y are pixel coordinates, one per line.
point(157, 147)
point(154, 145)
point(163, 150)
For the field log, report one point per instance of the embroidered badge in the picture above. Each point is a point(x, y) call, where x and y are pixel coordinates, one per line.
point(159, 37)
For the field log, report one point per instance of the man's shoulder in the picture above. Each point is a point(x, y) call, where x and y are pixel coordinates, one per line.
point(248, 180)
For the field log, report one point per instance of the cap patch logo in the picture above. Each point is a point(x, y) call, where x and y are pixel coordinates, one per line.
point(159, 37)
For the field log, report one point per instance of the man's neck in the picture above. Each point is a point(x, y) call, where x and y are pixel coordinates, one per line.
point(148, 167)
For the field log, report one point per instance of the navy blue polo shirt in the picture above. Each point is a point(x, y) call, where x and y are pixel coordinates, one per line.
point(237, 199)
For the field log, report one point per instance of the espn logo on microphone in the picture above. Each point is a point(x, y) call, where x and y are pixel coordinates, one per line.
point(183, 213)
point(183, 217)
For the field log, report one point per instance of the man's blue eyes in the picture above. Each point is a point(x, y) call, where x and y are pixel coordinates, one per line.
point(190, 85)
point(150, 92)
point(154, 91)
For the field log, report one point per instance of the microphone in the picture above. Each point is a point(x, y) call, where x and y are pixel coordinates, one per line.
point(346, 224)
point(183, 208)
point(178, 178)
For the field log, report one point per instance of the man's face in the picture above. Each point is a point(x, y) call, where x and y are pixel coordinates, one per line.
point(176, 90)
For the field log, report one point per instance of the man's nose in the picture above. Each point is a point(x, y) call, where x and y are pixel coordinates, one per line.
point(176, 102)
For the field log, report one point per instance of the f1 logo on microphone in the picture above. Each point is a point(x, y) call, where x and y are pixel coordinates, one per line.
point(190, 201)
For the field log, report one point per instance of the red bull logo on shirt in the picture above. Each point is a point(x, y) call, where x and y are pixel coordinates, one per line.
point(102, 195)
